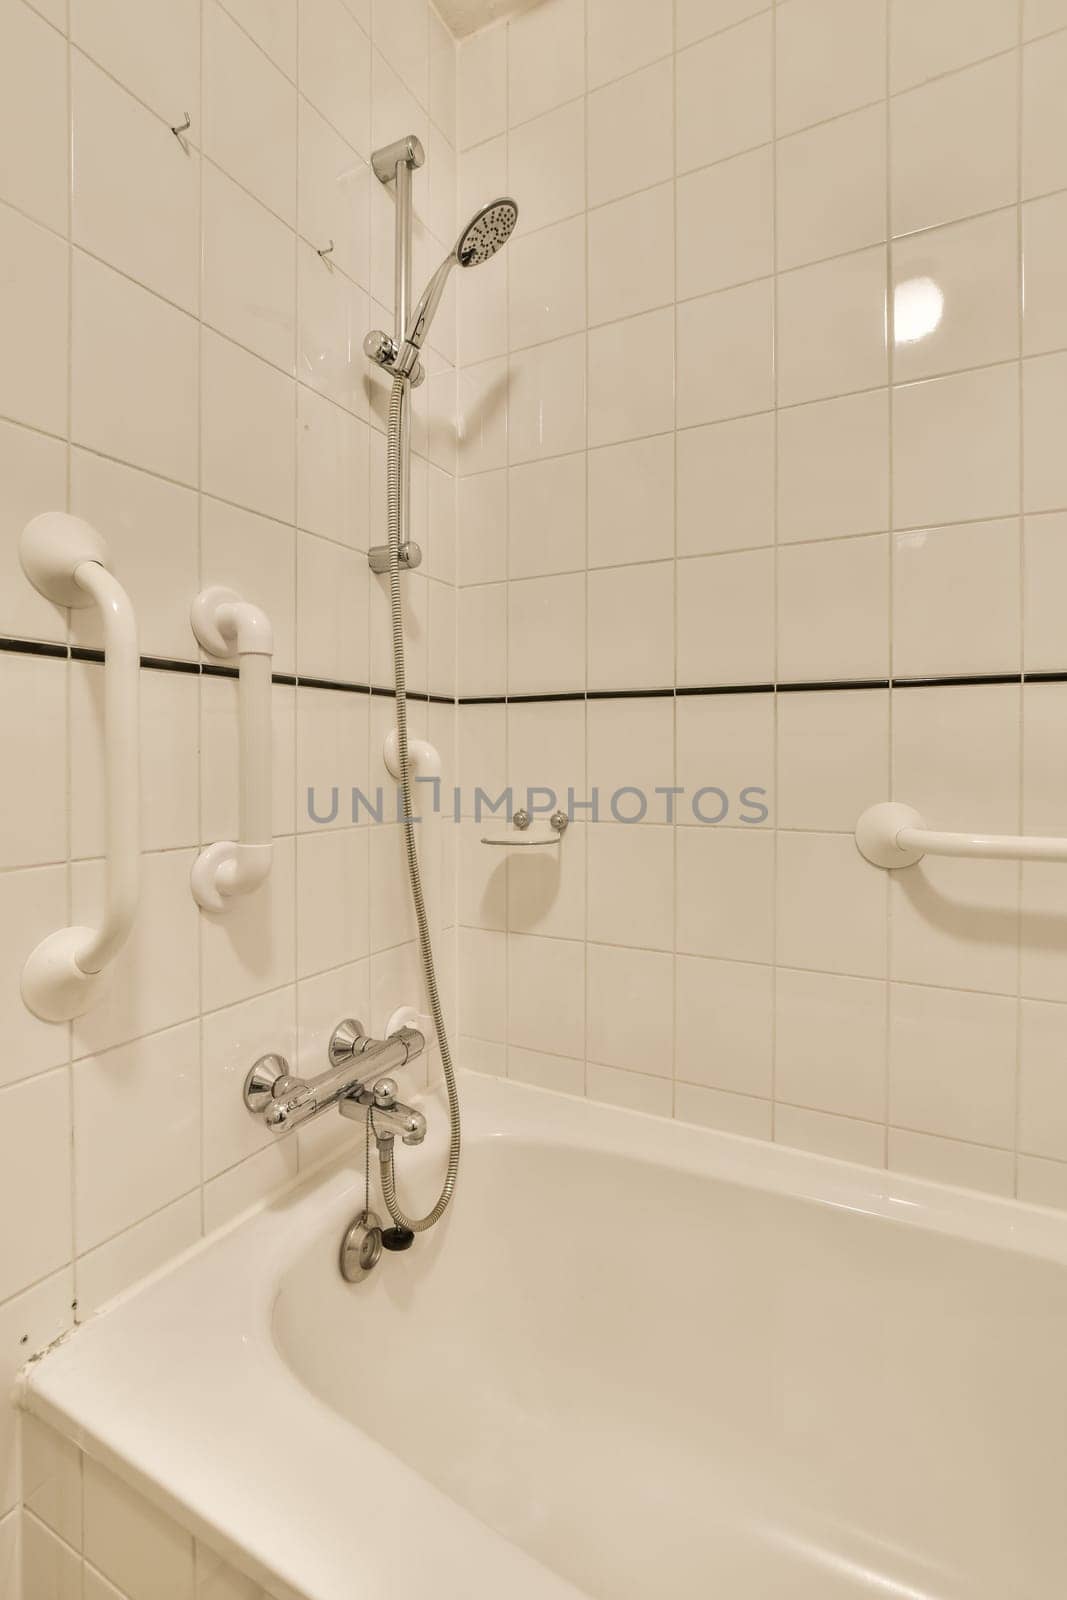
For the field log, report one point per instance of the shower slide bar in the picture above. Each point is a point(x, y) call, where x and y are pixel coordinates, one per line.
point(228, 626)
point(894, 835)
point(67, 561)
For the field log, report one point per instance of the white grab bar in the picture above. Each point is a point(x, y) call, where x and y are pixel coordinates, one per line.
point(66, 560)
point(228, 626)
point(894, 835)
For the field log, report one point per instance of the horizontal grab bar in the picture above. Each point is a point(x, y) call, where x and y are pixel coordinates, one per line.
point(894, 835)
point(66, 560)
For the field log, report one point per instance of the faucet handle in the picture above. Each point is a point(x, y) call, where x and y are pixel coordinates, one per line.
point(268, 1080)
point(385, 1093)
point(349, 1039)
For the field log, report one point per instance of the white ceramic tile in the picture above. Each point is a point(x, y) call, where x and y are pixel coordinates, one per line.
point(333, 587)
point(483, 879)
point(726, 224)
point(546, 994)
point(33, 730)
point(841, 1138)
point(626, 34)
point(144, 1551)
point(33, 117)
point(956, 757)
point(1045, 570)
point(726, 354)
point(333, 471)
point(1042, 1183)
point(402, 33)
point(631, 378)
point(631, 886)
point(50, 1568)
point(931, 38)
point(833, 467)
point(831, 184)
point(832, 328)
point(830, 1043)
point(560, 1074)
point(482, 86)
point(34, 473)
point(392, 921)
point(622, 280)
point(833, 609)
point(546, 399)
point(631, 759)
point(546, 521)
point(153, 49)
point(134, 368)
point(256, 557)
point(249, 272)
point(633, 1091)
point(1044, 266)
point(833, 758)
point(956, 600)
point(740, 1114)
point(28, 1325)
point(443, 69)
point(954, 926)
point(34, 324)
point(725, 758)
point(332, 316)
point(1042, 934)
point(725, 893)
point(1042, 1081)
point(545, 284)
point(1044, 393)
point(333, 196)
point(249, 114)
point(481, 301)
point(35, 1178)
point(956, 297)
point(546, 635)
point(956, 448)
point(1043, 753)
point(217, 1580)
point(51, 1479)
point(831, 906)
point(831, 57)
point(272, 24)
point(332, 745)
point(726, 485)
point(545, 888)
point(33, 904)
point(251, 950)
point(483, 983)
point(954, 146)
point(247, 430)
point(482, 417)
point(726, 619)
point(629, 1020)
point(546, 58)
point(230, 1041)
point(631, 627)
point(1043, 16)
point(952, 1063)
point(724, 1023)
point(966, 1166)
point(482, 643)
point(547, 752)
point(115, 1266)
point(696, 18)
point(630, 133)
point(725, 90)
point(546, 166)
point(1044, 164)
point(631, 501)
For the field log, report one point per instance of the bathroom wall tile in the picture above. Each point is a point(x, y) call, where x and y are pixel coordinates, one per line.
point(833, 609)
point(547, 751)
point(740, 1114)
point(32, 905)
point(726, 224)
point(967, 1166)
point(272, 26)
point(546, 994)
point(34, 474)
point(956, 755)
point(50, 1568)
point(1042, 933)
point(444, 64)
point(833, 467)
point(482, 415)
point(560, 1074)
point(952, 1063)
point(628, 607)
point(482, 309)
point(392, 920)
point(333, 587)
point(247, 430)
point(1043, 16)
point(332, 745)
point(482, 641)
point(144, 1551)
point(956, 448)
point(931, 39)
point(631, 759)
point(482, 887)
point(546, 635)
point(546, 888)
point(546, 166)
point(724, 1025)
point(153, 49)
point(249, 1183)
point(830, 1043)
point(482, 86)
point(116, 1266)
point(631, 378)
point(545, 284)
point(257, 557)
point(134, 367)
point(725, 758)
point(955, 926)
point(401, 33)
point(252, 949)
point(546, 58)
point(694, 19)
point(1044, 571)
point(33, 729)
point(546, 524)
point(231, 1040)
point(1044, 394)
point(33, 117)
point(725, 893)
point(622, 281)
point(29, 1323)
point(631, 886)
point(249, 272)
point(973, 304)
point(249, 114)
point(35, 1178)
point(626, 34)
point(52, 1479)
point(33, 324)
point(483, 1000)
point(631, 134)
point(546, 400)
point(831, 906)
point(629, 1021)
point(1042, 1080)
point(841, 1138)
point(333, 195)
point(331, 314)
point(831, 58)
point(1044, 164)
point(1042, 1183)
point(726, 619)
point(631, 501)
point(726, 354)
point(1044, 266)
point(956, 600)
point(135, 191)
point(217, 1580)
point(954, 145)
point(832, 328)
point(633, 1091)
point(831, 188)
point(725, 94)
point(332, 471)
point(833, 758)
point(1044, 809)
point(726, 485)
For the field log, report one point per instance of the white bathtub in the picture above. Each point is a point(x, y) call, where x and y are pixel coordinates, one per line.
point(638, 1360)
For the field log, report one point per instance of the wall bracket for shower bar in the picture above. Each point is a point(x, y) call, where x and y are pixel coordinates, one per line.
point(66, 560)
point(230, 627)
point(892, 835)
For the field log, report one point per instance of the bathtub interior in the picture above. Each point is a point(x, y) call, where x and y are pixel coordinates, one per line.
point(655, 1381)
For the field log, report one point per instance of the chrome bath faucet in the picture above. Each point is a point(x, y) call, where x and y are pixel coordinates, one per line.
point(356, 1082)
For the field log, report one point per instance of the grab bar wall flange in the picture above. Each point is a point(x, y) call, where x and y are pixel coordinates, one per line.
point(893, 835)
point(230, 627)
point(66, 560)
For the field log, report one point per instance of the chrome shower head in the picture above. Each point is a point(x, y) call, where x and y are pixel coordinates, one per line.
point(487, 232)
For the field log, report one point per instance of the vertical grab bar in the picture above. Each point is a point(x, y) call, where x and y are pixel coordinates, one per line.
point(66, 560)
point(228, 626)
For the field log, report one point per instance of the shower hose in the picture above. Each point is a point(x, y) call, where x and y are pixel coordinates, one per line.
point(397, 403)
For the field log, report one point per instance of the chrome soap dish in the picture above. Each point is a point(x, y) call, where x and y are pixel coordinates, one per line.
point(548, 833)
